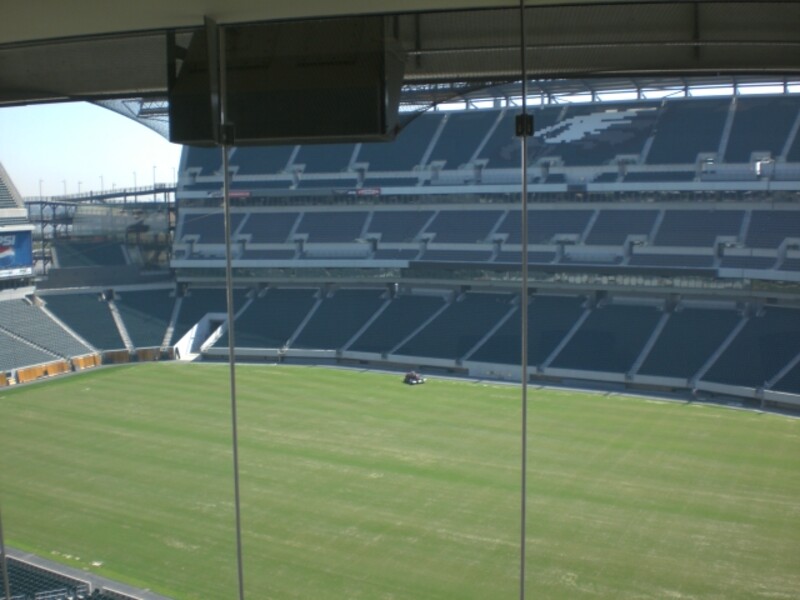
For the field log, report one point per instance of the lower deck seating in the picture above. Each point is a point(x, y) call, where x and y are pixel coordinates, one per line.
point(610, 340)
point(460, 327)
point(89, 316)
point(763, 347)
point(31, 323)
point(680, 351)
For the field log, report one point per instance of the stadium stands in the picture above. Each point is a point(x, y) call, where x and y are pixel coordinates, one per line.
point(6, 199)
point(399, 226)
point(768, 229)
point(89, 316)
point(459, 327)
point(338, 318)
point(595, 135)
point(609, 340)
point(550, 318)
point(766, 344)
point(461, 226)
point(760, 124)
point(612, 227)
point(146, 314)
point(27, 582)
point(462, 134)
point(404, 315)
point(209, 227)
point(32, 324)
point(680, 351)
point(790, 383)
point(408, 149)
point(322, 227)
point(269, 228)
point(271, 319)
point(198, 303)
point(686, 128)
point(260, 160)
point(15, 353)
point(330, 158)
point(543, 226)
point(204, 161)
point(698, 228)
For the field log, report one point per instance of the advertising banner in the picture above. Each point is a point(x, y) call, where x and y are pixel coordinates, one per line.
point(16, 254)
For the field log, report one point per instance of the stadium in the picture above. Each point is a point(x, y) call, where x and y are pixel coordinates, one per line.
point(646, 290)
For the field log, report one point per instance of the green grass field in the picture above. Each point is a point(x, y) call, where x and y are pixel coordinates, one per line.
point(355, 486)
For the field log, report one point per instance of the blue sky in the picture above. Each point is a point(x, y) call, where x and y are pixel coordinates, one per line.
point(75, 144)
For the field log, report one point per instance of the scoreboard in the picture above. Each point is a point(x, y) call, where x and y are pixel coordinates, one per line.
point(16, 253)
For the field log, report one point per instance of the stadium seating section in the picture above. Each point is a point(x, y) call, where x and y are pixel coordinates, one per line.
point(89, 316)
point(27, 582)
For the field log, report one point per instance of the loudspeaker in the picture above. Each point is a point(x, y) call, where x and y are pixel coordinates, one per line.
point(331, 80)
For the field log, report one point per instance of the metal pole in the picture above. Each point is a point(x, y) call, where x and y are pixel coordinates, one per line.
point(524, 309)
point(229, 296)
point(3, 565)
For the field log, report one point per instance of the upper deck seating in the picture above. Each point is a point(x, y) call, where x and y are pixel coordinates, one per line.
point(747, 262)
point(329, 184)
point(398, 226)
point(768, 228)
point(269, 228)
point(6, 199)
point(463, 226)
point(612, 227)
point(395, 254)
point(408, 148)
point(457, 255)
point(698, 228)
point(332, 226)
point(261, 160)
point(760, 124)
point(324, 158)
point(790, 264)
point(658, 176)
point(390, 182)
point(507, 256)
point(594, 134)
point(269, 254)
point(672, 261)
point(687, 127)
point(543, 225)
point(208, 161)
point(210, 227)
point(463, 132)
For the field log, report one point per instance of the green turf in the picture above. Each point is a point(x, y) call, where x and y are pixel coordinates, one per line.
point(355, 486)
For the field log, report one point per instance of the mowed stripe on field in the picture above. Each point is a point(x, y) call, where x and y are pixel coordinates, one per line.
point(355, 486)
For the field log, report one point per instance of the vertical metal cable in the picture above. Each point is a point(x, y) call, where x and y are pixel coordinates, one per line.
point(3, 564)
point(223, 102)
point(524, 304)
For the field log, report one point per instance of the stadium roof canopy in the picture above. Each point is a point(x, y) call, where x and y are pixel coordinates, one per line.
point(52, 50)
